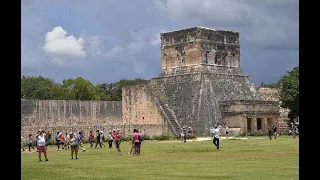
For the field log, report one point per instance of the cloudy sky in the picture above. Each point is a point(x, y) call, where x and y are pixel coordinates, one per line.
point(107, 40)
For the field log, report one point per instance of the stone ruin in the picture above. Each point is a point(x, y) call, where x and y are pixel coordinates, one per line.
point(200, 85)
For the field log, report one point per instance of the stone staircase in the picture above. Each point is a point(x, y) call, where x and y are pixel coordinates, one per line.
point(161, 101)
point(283, 126)
point(168, 116)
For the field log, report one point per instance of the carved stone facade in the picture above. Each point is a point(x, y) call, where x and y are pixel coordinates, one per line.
point(200, 85)
point(272, 94)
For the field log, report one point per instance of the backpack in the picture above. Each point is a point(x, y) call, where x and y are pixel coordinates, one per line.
point(140, 138)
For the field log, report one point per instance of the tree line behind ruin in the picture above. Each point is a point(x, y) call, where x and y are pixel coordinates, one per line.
point(42, 88)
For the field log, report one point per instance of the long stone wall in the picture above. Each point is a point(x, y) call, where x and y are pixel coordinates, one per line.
point(53, 115)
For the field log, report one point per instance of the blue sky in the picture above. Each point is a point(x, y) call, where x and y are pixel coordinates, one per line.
point(107, 40)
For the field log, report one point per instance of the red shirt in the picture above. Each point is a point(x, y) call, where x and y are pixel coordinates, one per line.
point(91, 135)
point(135, 137)
point(116, 136)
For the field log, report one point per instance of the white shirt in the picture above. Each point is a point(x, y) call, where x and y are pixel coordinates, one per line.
point(41, 140)
point(216, 133)
point(58, 136)
point(67, 137)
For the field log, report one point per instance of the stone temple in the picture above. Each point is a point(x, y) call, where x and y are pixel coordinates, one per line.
point(200, 85)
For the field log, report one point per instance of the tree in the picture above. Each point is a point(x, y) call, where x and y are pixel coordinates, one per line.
point(289, 92)
point(78, 89)
point(73, 89)
point(39, 88)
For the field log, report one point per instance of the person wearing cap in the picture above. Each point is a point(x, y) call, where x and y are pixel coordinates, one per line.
point(216, 136)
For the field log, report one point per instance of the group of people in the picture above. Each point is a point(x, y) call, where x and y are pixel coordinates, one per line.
point(74, 140)
point(184, 132)
point(114, 136)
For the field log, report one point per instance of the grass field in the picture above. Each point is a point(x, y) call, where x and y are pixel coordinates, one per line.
point(254, 159)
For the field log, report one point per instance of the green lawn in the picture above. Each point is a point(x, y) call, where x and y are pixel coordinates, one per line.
point(254, 159)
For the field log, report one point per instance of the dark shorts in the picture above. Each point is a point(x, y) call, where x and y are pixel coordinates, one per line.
point(137, 144)
point(227, 132)
point(117, 144)
point(76, 147)
point(58, 142)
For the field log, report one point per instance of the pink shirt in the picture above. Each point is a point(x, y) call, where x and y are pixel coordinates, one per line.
point(136, 137)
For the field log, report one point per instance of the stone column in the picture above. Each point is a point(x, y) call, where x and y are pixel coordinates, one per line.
point(264, 124)
point(254, 125)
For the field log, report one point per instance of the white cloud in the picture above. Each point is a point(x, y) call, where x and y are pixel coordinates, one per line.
point(63, 48)
point(58, 44)
point(155, 39)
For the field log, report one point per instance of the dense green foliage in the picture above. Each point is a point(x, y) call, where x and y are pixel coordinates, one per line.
point(73, 89)
point(289, 96)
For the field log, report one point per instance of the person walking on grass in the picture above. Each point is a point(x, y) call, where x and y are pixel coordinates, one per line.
point(98, 138)
point(216, 136)
point(74, 145)
point(102, 138)
point(58, 136)
point(62, 139)
point(274, 129)
point(41, 144)
point(66, 140)
point(269, 132)
point(110, 139)
point(227, 132)
point(91, 136)
point(117, 137)
point(30, 142)
point(80, 140)
point(183, 134)
point(135, 141)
